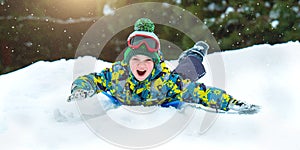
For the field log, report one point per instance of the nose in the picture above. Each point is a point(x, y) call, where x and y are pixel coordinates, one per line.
point(141, 65)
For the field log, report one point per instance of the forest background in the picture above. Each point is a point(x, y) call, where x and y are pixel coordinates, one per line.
point(33, 30)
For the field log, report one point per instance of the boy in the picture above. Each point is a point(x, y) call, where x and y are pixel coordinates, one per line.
point(142, 78)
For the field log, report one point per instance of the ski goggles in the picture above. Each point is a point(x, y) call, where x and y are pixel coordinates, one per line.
point(137, 40)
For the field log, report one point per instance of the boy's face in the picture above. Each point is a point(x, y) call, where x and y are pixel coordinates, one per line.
point(141, 66)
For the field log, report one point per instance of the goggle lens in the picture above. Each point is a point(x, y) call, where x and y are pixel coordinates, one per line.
point(151, 43)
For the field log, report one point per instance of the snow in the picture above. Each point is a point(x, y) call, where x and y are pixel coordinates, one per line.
point(229, 10)
point(274, 23)
point(107, 10)
point(34, 113)
point(274, 14)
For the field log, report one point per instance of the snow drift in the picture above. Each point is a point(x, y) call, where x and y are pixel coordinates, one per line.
point(34, 113)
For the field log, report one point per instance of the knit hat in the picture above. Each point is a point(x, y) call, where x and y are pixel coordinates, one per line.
point(142, 26)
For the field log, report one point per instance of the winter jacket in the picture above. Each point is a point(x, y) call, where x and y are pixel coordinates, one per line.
point(161, 86)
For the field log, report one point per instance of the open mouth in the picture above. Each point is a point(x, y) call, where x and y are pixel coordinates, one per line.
point(141, 73)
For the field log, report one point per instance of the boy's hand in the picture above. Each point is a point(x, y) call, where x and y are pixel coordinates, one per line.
point(243, 108)
point(82, 88)
point(80, 94)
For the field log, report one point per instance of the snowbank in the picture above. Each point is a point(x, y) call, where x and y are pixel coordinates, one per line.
point(34, 113)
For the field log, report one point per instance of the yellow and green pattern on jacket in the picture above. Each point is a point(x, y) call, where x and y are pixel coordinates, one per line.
point(160, 87)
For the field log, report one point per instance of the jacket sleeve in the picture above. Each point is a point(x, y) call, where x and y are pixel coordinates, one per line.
point(212, 97)
point(97, 82)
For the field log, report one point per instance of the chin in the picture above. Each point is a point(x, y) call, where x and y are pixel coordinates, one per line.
point(141, 78)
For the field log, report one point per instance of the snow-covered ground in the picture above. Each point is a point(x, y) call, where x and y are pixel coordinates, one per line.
point(34, 113)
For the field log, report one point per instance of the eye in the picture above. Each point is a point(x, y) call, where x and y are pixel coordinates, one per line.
point(149, 59)
point(135, 59)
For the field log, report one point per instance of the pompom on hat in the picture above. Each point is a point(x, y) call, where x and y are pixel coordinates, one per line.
point(142, 26)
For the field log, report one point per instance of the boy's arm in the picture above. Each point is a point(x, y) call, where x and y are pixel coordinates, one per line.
point(89, 85)
point(215, 98)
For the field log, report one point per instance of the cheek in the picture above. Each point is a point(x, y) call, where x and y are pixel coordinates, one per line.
point(132, 65)
point(150, 65)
